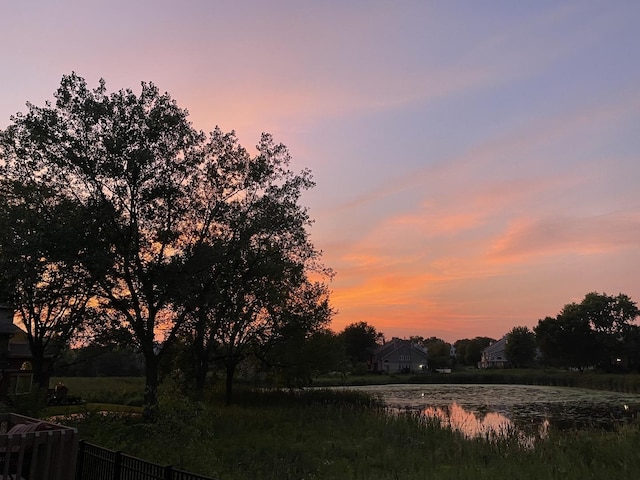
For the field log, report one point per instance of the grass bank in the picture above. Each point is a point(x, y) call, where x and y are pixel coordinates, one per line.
point(325, 434)
point(623, 383)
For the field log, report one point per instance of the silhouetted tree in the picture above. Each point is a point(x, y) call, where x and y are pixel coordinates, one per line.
point(520, 347)
point(610, 318)
point(44, 280)
point(469, 351)
point(361, 340)
point(156, 193)
point(300, 358)
point(257, 288)
point(597, 331)
point(438, 351)
point(95, 360)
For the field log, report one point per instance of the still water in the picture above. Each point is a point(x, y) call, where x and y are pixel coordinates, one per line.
point(489, 410)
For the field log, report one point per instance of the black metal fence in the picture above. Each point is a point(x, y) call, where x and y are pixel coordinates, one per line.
point(97, 463)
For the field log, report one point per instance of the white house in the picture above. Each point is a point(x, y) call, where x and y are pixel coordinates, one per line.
point(494, 356)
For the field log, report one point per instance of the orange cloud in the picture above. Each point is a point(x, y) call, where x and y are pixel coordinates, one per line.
point(587, 235)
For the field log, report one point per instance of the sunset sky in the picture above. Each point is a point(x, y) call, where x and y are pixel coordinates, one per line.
point(477, 162)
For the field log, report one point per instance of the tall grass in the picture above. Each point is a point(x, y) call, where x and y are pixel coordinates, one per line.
point(115, 390)
point(323, 434)
point(623, 383)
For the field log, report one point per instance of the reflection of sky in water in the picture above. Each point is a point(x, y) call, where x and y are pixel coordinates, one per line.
point(468, 423)
point(490, 426)
point(525, 408)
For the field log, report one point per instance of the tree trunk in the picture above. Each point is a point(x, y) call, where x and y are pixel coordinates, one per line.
point(231, 370)
point(151, 405)
point(201, 356)
point(40, 373)
point(202, 369)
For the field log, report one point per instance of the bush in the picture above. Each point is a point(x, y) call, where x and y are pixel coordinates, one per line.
point(29, 404)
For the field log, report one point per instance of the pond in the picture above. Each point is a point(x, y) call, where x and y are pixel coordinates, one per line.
point(487, 410)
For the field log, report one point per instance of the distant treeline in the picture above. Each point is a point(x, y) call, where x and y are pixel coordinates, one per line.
point(629, 383)
point(100, 361)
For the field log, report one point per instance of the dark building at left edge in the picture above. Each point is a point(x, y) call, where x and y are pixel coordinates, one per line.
point(16, 367)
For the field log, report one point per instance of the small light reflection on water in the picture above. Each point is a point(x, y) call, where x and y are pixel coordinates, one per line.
point(491, 426)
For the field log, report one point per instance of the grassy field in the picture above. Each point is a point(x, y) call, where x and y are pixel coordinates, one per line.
point(321, 434)
point(115, 390)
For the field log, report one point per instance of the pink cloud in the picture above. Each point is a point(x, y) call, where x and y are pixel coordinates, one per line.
point(525, 239)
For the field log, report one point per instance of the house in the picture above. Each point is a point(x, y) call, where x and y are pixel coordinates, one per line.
point(494, 356)
point(400, 356)
point(16, 373)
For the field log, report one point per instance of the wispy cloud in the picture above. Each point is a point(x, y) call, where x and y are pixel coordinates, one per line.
point(552, 236)
point(478, 167)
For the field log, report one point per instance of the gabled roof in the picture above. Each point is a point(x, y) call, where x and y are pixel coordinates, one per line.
point(8, 328)
point(495, 349)
point(6, 320)
point(397, 343)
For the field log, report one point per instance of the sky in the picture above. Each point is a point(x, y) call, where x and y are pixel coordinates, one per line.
point(476, 163)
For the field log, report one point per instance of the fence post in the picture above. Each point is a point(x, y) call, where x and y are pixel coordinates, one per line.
point(168, 472)
point(80, 460)
point(117, 466)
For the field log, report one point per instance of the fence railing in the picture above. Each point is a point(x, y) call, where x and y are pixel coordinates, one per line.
point(97, 463)
point(37, 450)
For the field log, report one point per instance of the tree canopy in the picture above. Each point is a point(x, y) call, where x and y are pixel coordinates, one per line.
point(599, 331)
point(469, 351)
point(42, 277)
point(520, 347)
point(173, 221)
point(361, 339)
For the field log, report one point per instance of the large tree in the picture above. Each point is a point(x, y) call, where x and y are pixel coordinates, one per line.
point(156, 194)
point(438, 350)
point(360, 340)
point(469, 351)
point(567, 340)
point(611, 319)
point(43, 278)
point(132, 162)
point(259, 286)
point(597, 331)
point(301, 357)
point(520, 347)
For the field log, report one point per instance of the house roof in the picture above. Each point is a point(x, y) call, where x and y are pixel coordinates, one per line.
point(8, 328)
point(395, 344)
point(496, 349)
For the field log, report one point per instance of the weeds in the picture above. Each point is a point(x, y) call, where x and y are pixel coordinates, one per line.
point(322, 434)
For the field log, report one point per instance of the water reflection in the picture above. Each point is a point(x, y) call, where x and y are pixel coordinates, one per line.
point(486, 410)
point(492, 425)
point(468, 423)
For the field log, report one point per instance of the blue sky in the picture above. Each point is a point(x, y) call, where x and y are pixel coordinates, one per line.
point(476, 162)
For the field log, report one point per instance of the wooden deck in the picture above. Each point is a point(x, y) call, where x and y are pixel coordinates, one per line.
point(36, 450)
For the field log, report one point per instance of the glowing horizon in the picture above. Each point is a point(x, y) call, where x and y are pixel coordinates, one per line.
point(476, 164)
